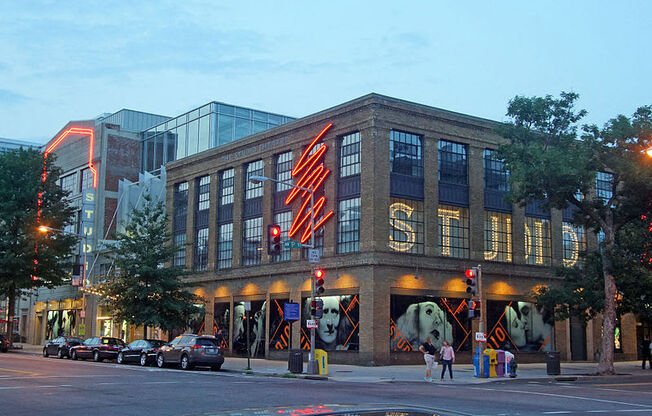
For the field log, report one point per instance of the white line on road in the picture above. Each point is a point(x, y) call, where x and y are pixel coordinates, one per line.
point(567, 397)
point(560, 412)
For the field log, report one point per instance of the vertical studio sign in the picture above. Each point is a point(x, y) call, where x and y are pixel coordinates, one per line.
point(310, 173)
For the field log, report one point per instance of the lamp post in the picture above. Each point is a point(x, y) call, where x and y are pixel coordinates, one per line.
point(46, 229)
point(648, 151)
point(312, 367)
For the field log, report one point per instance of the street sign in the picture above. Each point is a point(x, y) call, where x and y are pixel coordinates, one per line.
point(247, 306)
point(480, 337)
point(313, 255)
point(311, 323)
point(291, 311)
point(291, 244)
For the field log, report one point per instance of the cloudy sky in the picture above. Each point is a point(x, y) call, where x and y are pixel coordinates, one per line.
point(73, 60)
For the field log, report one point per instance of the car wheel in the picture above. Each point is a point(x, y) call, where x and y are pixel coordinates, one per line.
point(159, 361)
point(185, 363)
point(45, 352)
point(59, 354)
point(120, 359)
point(216, 367)
point(96, 356)
point(143, 360)
point(73, 355)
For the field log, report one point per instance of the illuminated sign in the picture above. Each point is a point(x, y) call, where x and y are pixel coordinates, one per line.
point(445, 216)
point(574, 250)
point(539, 240)
point(81, 131)
point(402, 226)
point(498, 228)
point(311, 174)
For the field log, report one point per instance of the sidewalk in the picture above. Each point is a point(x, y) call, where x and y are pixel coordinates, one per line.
point(463, 373)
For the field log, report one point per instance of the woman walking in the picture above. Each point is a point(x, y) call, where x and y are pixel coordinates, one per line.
point(447, 359)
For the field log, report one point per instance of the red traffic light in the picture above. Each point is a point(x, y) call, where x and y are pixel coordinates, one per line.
point(319, 273)
point(470, 273)
point(319, 281)
point(275, 231)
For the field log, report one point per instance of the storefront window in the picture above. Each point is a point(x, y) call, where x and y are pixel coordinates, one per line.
point(338, 329)
point(256, 329)
point(413, 318)
point(519, 326)
point(279, 328)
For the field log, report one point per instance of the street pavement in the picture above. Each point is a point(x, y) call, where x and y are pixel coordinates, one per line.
point(463, 373)
point(33, 385)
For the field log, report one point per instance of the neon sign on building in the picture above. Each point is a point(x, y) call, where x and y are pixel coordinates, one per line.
point(311, 173)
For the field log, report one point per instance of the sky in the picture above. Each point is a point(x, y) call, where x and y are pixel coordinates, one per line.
point(74, 60)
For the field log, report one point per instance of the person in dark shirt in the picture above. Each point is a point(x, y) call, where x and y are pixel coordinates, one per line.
point(429, 352)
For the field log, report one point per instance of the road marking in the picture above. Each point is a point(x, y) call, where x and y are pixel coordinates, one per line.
point(8, 388)
point(18, 371)
point(647, 406)
point(560, 412)
point(160, 382)
point(623, 384)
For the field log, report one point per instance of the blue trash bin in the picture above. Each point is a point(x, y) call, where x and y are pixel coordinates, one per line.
point(476, 365)
point(485, 358)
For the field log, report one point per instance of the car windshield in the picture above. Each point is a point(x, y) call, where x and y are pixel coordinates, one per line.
point(156, 342)
point(112, 341)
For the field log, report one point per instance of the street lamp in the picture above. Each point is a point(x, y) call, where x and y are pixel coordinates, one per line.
point(648, 151)
point(256, 179)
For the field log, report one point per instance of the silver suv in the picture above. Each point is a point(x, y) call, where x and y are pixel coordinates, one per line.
point(189, 350)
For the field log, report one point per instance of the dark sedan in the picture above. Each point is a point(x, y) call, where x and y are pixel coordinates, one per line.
point(60, 346)
point(142, 351)
point(4, 344)
point(98, 348)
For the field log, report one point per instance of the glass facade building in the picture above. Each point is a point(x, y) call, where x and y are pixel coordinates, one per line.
point(208, 126)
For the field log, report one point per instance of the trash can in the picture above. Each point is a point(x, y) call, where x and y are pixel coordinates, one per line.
point(553, 367)
point(295, 361)
point(476, 365)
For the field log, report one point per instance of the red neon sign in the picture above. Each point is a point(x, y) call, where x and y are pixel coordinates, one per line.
point(311, 174)
point(76, 130)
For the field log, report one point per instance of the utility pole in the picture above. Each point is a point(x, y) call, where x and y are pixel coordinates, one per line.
point(483, 317)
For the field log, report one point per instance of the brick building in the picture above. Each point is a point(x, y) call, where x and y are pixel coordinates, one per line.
point(416, 198)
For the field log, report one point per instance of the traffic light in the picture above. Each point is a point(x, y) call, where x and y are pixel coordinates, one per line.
point(319, 281)
point(317, 308)
point(471, 281)
point(474, 309)
point(273, 239)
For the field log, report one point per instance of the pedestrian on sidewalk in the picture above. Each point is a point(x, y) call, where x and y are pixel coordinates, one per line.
point(429, 352)
point(646, 346)
point(447, 359)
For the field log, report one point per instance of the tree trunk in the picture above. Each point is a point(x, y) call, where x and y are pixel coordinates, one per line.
point(606, 365)
point(144, 331)
point(10, 318)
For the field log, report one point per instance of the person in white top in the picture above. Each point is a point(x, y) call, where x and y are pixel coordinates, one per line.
point(447, 359)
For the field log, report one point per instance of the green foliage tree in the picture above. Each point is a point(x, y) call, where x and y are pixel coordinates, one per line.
point(549, 161)
point(143, 291)
point(30, 259)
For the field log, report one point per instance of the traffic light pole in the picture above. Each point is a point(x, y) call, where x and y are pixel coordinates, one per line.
point(481, 324)
point(312, 363)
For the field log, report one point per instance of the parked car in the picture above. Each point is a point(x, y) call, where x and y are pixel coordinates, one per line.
point(4, 344)
point(97, 348)
point(142, 351)
point(60, 346)
point(189, 350)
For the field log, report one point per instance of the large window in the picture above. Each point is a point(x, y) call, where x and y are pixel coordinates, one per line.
point(350, 155)
point(348, 226)
point(201, 249)
point(453, 237)
point(406, 154)
point(495, 176)
point(497, 236)
point(406, 229)
point(252, 241)
point(283, 220)
point(87, 179)
point(283, 171)
point(537, 241)
point(69, 183)
point(254, 190)
point(203, 193)
point(180, 246)
point(225, 246)
point(453, 165)
point(604, 186)
point(574, 241)
point(226, 187)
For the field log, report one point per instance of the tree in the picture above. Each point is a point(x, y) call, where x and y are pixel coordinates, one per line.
point(143, 291)
point(550, 162)
point(30, 259)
